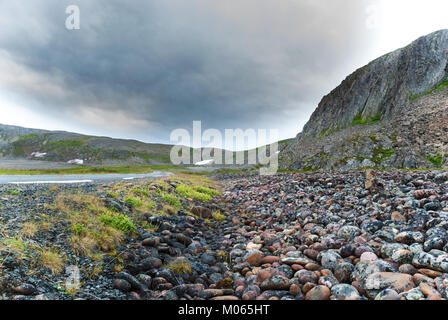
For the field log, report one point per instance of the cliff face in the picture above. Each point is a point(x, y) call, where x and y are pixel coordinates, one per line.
point(379, 107)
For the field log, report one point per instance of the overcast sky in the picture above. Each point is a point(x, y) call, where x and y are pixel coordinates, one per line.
point(141, 68)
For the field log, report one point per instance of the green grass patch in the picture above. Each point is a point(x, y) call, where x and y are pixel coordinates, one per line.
point(183, 267)
point(210, 192)
point(218, 216)
point(81, 170)
point(436, 160)
point(118, 221)
point(171, 200)
point(190, 192)
point(140, 192)
point(28, 137)
point(379, 154)
point(134, 202)
point(14, 192)
point(359, 120)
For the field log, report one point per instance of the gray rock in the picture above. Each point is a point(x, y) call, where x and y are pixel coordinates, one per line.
point(344, 292)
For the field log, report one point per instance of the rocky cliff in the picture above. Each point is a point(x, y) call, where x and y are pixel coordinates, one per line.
point(388, 114)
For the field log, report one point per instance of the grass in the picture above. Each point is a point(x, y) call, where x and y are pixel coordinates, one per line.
point(171, 200)
point(94, 229)
point(208, 191)
point(14, 192)
point(379, 154)
point(182, 267)
point(151, 227)
point(190, 192)
point(134, 202)
point(359, 120)
point(52, 260)
point(16, 245)
point(118, 221)
point(29, 229)
point(218, 216)
point(140, 192)
point(436, 160)
point(80, 170)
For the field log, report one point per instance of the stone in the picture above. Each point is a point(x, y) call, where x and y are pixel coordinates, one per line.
point(305, 276)
point(225, 298)
point(368, 257)
point(414, 294)
point(396, 216)
point(208, 259)
point(277, 282)
point(344, 292)
point(428, 290)
point(253, 257)
point(348, 232)
point(202, 212)
point(318, 293)
point(388, 294)
point(402, 256)
point(269, 259)
point(409, 237)
point(343, 272)
point(430, 273)
point(329, 259)
point(379, 281)
point(122, 285)
point(25, 289)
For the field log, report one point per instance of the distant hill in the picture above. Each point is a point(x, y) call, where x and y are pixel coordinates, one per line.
point(390, 114)
point(60, 146)
point(18, 142)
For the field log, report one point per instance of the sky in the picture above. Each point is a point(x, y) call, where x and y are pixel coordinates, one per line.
point(143, 68)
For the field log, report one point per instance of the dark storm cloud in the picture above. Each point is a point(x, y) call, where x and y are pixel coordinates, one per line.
point(158, 65)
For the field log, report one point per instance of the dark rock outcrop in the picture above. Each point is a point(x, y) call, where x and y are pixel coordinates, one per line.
point(389, 114)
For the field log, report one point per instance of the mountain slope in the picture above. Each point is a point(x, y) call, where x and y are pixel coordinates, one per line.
point(18, 142)
point(388, 114)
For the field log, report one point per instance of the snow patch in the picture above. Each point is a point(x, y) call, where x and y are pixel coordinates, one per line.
point(76, 161)
point(38, 154)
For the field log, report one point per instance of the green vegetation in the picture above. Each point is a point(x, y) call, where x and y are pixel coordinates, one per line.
point(218, 216)
point(134, 202)
point(379, 154)
point(323, 133)
point(171, 200)
point(118, 221)
point(436, 160)
point(329, 132)
point(183, 267)
point(369, 121)
point(66, 143)
point(439, 87)
point(14, 192)
point(52, 260)
point(208, 191)
point(190, 192)
point(140, 192)
point(28, 137)
point(81, 170)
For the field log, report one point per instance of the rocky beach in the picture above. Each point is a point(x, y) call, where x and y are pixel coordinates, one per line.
point(291, 236)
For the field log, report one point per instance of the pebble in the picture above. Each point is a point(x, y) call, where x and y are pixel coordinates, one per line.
point(318, 293)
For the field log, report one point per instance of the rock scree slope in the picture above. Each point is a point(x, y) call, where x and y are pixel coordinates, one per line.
point(390, 113)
